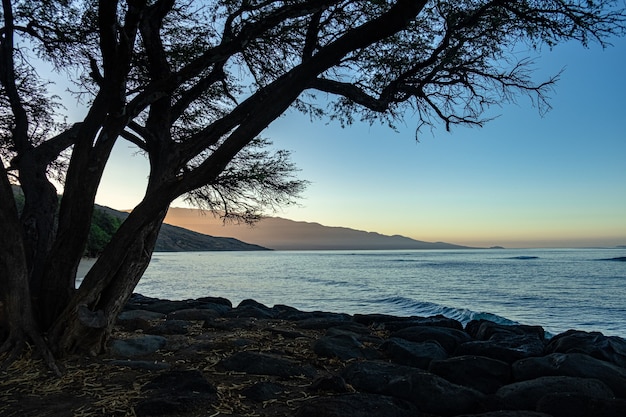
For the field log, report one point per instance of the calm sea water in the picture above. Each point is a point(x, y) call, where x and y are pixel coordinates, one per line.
point(558, 289)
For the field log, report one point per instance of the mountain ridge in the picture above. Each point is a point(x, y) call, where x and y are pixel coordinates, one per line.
point(284, 234)
point(178, 239)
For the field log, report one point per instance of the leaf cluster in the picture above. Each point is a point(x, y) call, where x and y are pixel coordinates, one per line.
point(103, 227)
point(193, 83)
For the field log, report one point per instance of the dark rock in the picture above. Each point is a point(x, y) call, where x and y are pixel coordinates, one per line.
point(480, 373)
point(263, 391)
point(132, 325)
point(572, 405)
point(141, 302)
point(147, 365)
point(418, 355)
point(377, 320)
point(572, 364)
point(319, 320)
point(525, 395)
point(140, 314)
point(250, 312)
point(251, 308)
point(357, 405)
point(393, 324)
point(137, 301)
point(507, 347)
point(344, 347)
point(193, 314)
point(158, 407)
point(485, 330)
point(447, 337)
point(355, 329)
point(230, 323)
point(170, 327)
point(265, 364)
point(286, 333)
point(509, 413)
point(217, 308)
point(180, 383)
point(167, 306)
point(284, 311)
point(138, 346)
point(607, 348)
point(362, 333)
point(430, 393)
point(174, 392)
point(332, 383)
point(215, 300)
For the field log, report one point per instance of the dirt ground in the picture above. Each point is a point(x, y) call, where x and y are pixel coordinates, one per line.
point(97, 387)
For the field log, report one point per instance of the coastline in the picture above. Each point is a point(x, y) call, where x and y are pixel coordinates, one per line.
point(206, 357)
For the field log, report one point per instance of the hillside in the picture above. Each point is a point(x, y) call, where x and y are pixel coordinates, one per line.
point(177, 239)
point(283, 234)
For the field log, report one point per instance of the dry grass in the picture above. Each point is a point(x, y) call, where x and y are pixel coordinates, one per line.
point(93, 387)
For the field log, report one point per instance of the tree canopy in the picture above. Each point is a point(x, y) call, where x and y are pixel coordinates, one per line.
point(193, 84)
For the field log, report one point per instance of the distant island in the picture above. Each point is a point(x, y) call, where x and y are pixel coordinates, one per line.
point(283, 234)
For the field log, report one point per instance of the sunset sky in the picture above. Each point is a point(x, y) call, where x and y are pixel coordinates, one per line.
point(521, 181)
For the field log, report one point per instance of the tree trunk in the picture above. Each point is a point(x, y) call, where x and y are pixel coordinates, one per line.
point(86, 323)
point(14, 285)
point(38, 219)
point(81, 185)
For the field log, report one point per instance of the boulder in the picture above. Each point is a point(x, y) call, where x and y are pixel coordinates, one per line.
point(357, 405)
point(574, 405)
point(330, 383)
point(168, 306)
point(140, 314)
point(265, 364)
point(215, 300)
point(146, 365)
point(418, 355)
point(319, 320)
point(229, 324)
point(263, 391)
point(398, 323)
point(311, 319)
point(526, 395)
point(507, 347)
point(486, 329)
point(251, 308)
point(193, 314)
point(509, 413)
point(448, 338)
point(170, 327)
point(138, 346)
point(361, 332)
point(344, 347)
point(607, 348)
point(132, 325)
point(477, 372)
point(173, 392)
point(353, 329)
point(572, 364)
point(430, 393)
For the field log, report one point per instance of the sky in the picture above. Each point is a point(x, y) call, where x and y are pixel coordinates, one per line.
point(523, 180)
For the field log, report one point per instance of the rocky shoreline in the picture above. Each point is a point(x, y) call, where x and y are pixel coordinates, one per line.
point(204, 357)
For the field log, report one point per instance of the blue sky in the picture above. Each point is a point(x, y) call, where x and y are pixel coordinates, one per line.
point(523, 180)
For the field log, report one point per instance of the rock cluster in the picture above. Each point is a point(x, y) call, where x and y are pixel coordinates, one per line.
point(372, 364)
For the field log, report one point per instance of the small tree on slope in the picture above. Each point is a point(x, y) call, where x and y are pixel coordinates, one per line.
point(192, 84)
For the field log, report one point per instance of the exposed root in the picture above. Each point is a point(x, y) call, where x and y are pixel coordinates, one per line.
point(15, 345)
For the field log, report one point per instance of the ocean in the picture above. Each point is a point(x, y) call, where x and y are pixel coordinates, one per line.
point(558, 289)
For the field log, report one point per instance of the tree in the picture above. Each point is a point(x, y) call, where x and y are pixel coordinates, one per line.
point(193, 84)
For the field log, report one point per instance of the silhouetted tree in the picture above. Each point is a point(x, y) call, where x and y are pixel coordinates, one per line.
point(193, 84)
